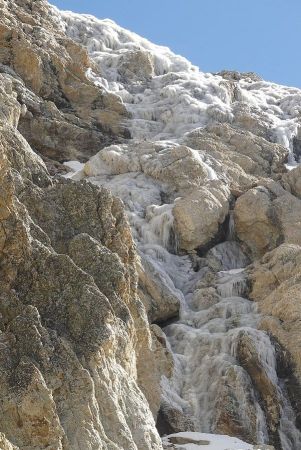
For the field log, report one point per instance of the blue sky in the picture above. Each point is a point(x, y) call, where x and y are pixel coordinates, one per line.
point(263, 36)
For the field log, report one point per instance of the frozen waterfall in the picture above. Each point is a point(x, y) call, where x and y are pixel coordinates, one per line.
point(168, 97)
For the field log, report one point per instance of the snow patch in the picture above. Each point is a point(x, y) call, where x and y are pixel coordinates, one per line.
point(204, 441)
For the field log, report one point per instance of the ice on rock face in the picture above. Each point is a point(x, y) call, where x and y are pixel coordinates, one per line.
point(281, 104)
point(172, 97)
point(167, 97)
point(227, 255)
point(232, 283)
point(284, 135)
point(160, 226)
point(74, 165)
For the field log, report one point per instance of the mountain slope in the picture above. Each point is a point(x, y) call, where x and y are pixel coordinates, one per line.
point(205, 167)
point(178, 305)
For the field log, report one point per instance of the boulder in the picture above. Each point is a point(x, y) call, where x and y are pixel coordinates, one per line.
point(200, 215)
point(232, 146)
point(136, 65)
point(266, 216)
point(276, 288)
point(256, 222)
point(48, 68)
point(292, 181)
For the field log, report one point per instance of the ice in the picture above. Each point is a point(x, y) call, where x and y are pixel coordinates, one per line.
point(159, 227)
point(171, 96)
point(232, 283)
point(231, 229)
point(167, 97)
point(174, 100)
point(211, 174)
point(228, 254)
point(281, 104)
point(75, 166)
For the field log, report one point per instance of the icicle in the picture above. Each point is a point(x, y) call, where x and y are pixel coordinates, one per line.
point(159, 227)
point(231, 227)
point(232, 283)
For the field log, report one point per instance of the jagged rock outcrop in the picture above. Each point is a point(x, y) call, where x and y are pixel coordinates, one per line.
point(242, 153)
point(154, 288)
point(291, 181)
point(64, 115)
point(197, 215)
point(275, 287)
point(5, 444)
point(77, 351)
point(266, 216)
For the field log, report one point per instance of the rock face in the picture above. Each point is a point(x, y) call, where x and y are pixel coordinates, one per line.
point(291, 181)
point(70, 315)
point(199, 216)
point(238, 147)
point(256, 222)
point(266, 216)
point(275, 287)
point(64, 115)
point(150, 286)
point(73, 331)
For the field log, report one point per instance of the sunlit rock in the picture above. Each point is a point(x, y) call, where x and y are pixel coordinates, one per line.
point(200, 215)
point(129, 306)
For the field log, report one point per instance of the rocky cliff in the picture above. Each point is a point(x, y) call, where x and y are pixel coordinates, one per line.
point(150, 244)
point(76, 348)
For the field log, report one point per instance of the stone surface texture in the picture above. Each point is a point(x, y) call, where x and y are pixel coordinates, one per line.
point(110, 275)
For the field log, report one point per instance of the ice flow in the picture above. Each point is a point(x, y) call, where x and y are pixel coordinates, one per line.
point(167, 97)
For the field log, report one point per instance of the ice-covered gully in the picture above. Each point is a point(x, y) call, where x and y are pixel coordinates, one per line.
point(197, 140)
point(224, 367)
